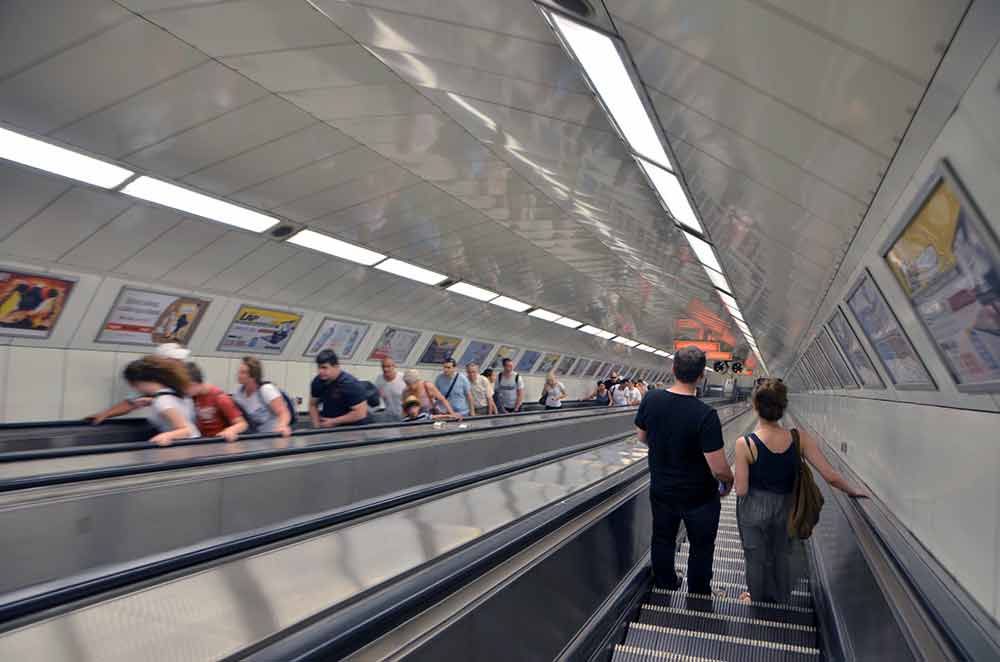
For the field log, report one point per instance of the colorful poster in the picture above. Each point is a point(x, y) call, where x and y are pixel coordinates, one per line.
point(527, 360)
point(549, 361)
point(30, 304)
point(476, 352)
point(505, 352)
point(395, 344)
point(594, 368)
point(948, 266)
point(439, 349)
point(849, 342)
point(565, 365)
point(259, 330)
point(341, 336)
point(580, 367)
point(145, 317)
point(843, 373)
point(883, 331)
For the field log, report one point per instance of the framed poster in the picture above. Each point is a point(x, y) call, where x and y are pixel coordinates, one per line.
point(826, 367)
point(439, 349)
point(527, 361)
point(596, 369)
point(30, 304)
point(822, 371)
point(476, 352)
point(947, 264)
point(259, 330)
point(548, 362)
point(505, 352)
point(580, 367)
point(840, 369)
point(843, 333)
point(147, 317)
point(891, 344)
point(565, 365)
point(395, 343)
point(342, 336)
point(617, 369)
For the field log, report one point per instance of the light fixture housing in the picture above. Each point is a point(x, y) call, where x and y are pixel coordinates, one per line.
point(718, 280)
point(569, 322)
point(510, 304)
point(543, 314)
point(470, 290)
point(335, 247)
point(668, 186)
point(60, 161)
point(703, 251)
point(411, 271)
point(183, 199)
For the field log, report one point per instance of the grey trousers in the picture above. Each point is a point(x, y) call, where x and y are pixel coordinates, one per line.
point(762, 518)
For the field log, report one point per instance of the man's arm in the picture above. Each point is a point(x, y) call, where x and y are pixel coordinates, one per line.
point(314, 412)
point(639, 432)
point(720, 468)
point(357, 413)
point(119, 409)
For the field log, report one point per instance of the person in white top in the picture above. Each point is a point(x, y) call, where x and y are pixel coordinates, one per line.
point(509, 388)
point(482, 391)
point(390, 385)
point(261, 401)
point(163, 385)
point(623, 394)
point(554, 391)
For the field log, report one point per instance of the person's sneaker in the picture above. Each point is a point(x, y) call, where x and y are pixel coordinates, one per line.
point(667, 586)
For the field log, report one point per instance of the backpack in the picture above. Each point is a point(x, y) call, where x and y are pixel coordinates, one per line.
point(294, 415)
point(372, 396)
point(807, 502)
point(497, 400)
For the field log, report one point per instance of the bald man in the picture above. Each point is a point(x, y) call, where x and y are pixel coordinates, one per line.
point(390, 386)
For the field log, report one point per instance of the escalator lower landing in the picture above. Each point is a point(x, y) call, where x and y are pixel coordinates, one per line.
point(687, 627)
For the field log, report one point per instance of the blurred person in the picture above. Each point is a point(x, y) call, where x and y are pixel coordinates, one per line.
point(620, 394)
point(336, 396)
point(509, 389)
point(390, 387)
point(600, 394)
point(482, 391)
point(767, 464)
point(425, 392)
point(413, 412)
point(215, 412)
point(553, 392)
point(687, 463)
point(262, 402)
point(456, 389)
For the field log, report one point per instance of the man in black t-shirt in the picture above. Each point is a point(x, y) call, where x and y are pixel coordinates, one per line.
point(337, 397)
point(686, 464)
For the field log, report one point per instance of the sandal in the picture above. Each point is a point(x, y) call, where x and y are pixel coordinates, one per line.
point(745, 597)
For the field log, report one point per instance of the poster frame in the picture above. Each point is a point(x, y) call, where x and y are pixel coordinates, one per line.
point(409, 352)
point(496, 350)
point(73, 282)
point(430, 343)
point(118, 298)
point(538, 367)
point(329, 318)
point(489, 354)
point(839, 310)
point(234, 319)
point(538, 355)
point(825, 333)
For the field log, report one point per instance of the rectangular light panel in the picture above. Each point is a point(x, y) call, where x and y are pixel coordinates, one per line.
point(592, 330)
point(60, 161)
point(602, 61)
point(199, 204)
point(735, 312)
point(336, 247)
point(411, 271)
point(624, 341)
point(728, 300)
point(543, 314)
point(669, 188)
point(718, 280)
point(568, 322)
point(470, 290)
point(703, 251)
point(511, 304)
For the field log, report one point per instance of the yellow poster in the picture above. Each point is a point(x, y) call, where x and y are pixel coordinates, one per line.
point(259, 330)
point(923, 252)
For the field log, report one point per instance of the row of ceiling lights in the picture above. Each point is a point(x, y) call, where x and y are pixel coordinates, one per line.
point(69, 163)
point(602, 59)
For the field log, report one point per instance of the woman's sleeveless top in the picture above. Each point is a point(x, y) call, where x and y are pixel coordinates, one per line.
point(773, 472)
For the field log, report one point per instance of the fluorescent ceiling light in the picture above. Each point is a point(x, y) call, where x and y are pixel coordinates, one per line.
point(543, 314)
point(199, 204)
point(60, 161)
point(411, 271)
point(660, 352)
point(568, 322)
point(669, 188)
point(718, 280)
point(603, 64)
point(703, 250)
point(592, 330)
point(735, 312)
point(645, 348)
point(472, 291)
point(624, 341)
point(729, 300)
point(605, 335)
point(336, 247)
point(511, 304)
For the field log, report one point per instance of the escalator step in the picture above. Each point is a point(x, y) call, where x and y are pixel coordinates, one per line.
point(714, 646)
point(732, 606)
point(728, 572)
point(717, 561)
point(635, 654)
point(800, 598)
point(726, 553)
point(734, 626)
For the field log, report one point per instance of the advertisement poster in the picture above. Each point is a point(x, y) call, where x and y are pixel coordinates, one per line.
point(949, 268)
point(439, 349)
point(527, 360)
point(843, 373)
point(579, 368)
point(882, 329)
point(565, 365)
point(259, 330)
point(505, 352)
point(341, 336)
point(30, 304)
point(594, 369)
point(395, 344)
point(476, 352)
point(144, 317)
point(842, 332)
point(549, 362)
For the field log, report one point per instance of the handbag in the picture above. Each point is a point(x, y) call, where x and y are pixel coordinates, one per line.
point(807, 501)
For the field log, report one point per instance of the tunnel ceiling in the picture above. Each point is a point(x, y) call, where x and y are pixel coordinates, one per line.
point(459, 136)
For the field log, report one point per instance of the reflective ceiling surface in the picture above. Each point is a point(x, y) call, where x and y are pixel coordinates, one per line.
point(458, 135)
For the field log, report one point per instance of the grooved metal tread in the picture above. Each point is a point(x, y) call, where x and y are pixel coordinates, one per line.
point(653, 642)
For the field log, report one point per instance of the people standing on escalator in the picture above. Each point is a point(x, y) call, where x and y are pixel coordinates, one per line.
point(482, 391)
point(509, 389)
point(215, 412)
point(553, 392)
point(430, 398)
point(261, 401)
point(686, 462)
point(456, 389)
point(390, 387)
point(767, 463)
point(336, 397)
point(600, 395)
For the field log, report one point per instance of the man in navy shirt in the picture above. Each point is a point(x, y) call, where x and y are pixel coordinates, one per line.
point(337, 397)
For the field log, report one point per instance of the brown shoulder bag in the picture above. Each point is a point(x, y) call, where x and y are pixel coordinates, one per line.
point(807, 502)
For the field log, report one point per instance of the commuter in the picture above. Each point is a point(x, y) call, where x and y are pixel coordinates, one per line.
point(336, 396)
point(509, 389)
point(456, 389)
point(263, 405)
point(491, 376)
point(413, 412)
point(621, 393)
point(553, 392)
point(426, 392)
point(687, 464)
point(482, 391)
point(390, 387)
point(640, 386)
point(612, 380)
point(173, 351)
point(215, 412)
point(163, 385)
point(600, 395)
point(767, 462)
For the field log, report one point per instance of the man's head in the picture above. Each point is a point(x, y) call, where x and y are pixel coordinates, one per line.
point(508, 366)
point(448, 368)
point(411, 406)
point(689, 365)
point(388, 369)
point(327, 365)
point(472, 370)
point(197, 379)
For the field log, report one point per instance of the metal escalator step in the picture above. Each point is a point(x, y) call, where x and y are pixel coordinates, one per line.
point(717, 561)
point(715, 646)
point(720, 553)
point(624, 653)
point(760, 629)
point(786, 613)
point(800, 596)
point(728, 572)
